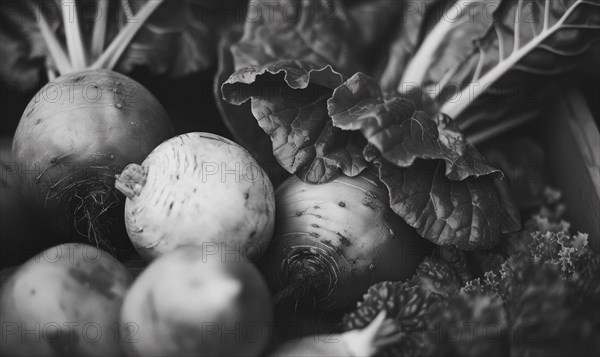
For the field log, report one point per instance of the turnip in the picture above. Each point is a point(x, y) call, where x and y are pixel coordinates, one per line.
point(69, 149)
point(21, 235)
point(198, 188)
point(64, 301)
point(332, 241)
point(81, 129)
point(193, 302)
point(356, 343)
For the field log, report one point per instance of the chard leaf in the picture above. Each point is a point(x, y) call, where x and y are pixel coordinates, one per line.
point(407, 39)
point(289, 101)
point(469, 214)
point(539, 37)
point(175, 41)
point(288, 64)
point(316, 32)
point(401, 131)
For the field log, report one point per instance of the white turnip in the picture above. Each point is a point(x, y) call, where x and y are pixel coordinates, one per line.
point(75, 135)
point(85, 126)
point(192, 302)
point(64, 302)
point(332, 241)
point(198, 188)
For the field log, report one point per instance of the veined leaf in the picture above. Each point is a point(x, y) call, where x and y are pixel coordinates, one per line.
point(288, 65)
point(541, 37)
point(316, 32)
point(289, 101)
point(403, 131)
point(469, 214)
point(449, 44)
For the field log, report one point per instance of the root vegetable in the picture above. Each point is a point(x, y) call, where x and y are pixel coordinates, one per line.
point(190, 302)
point(74, 136)
point(198, 188)
point(65, 301)
point(332, 241)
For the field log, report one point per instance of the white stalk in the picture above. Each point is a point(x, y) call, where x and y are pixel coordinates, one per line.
point(417, 68)
point(469, 94)
point(111, 55)
point(58, 54)
point(99, 32)
point(73, 34)
point(496, 129)
point(51, 74)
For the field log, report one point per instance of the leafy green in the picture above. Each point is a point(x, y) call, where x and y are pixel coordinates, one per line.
point(403, 132)
point(176, 41)
point(542, 301)
point(408, 304)
point(437, 276)
point(407, 38)
point(289, 101)
point(472, 213)
point(487, 40)
point(288, 67)
point(319, 122)
point(315, 32)
point(471, 325)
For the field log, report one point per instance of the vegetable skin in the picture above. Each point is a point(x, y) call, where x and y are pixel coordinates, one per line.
point(334, 240)
point(74, 136)
point(198, 189)
point(65, 301)
point(191, 302)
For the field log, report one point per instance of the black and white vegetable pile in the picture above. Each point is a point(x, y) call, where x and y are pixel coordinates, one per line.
point(392, 229)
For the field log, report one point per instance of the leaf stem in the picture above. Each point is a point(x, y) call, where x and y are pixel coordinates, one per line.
point(547, 15)
point(127, 9)
point(417, 68)
point(51, 74)
point(73, 34)
point(99, 32)
point(480, 63)
point(517, 37)
point(61, 61)
point(111, 55)
point(497, 129)
point(469, 94)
